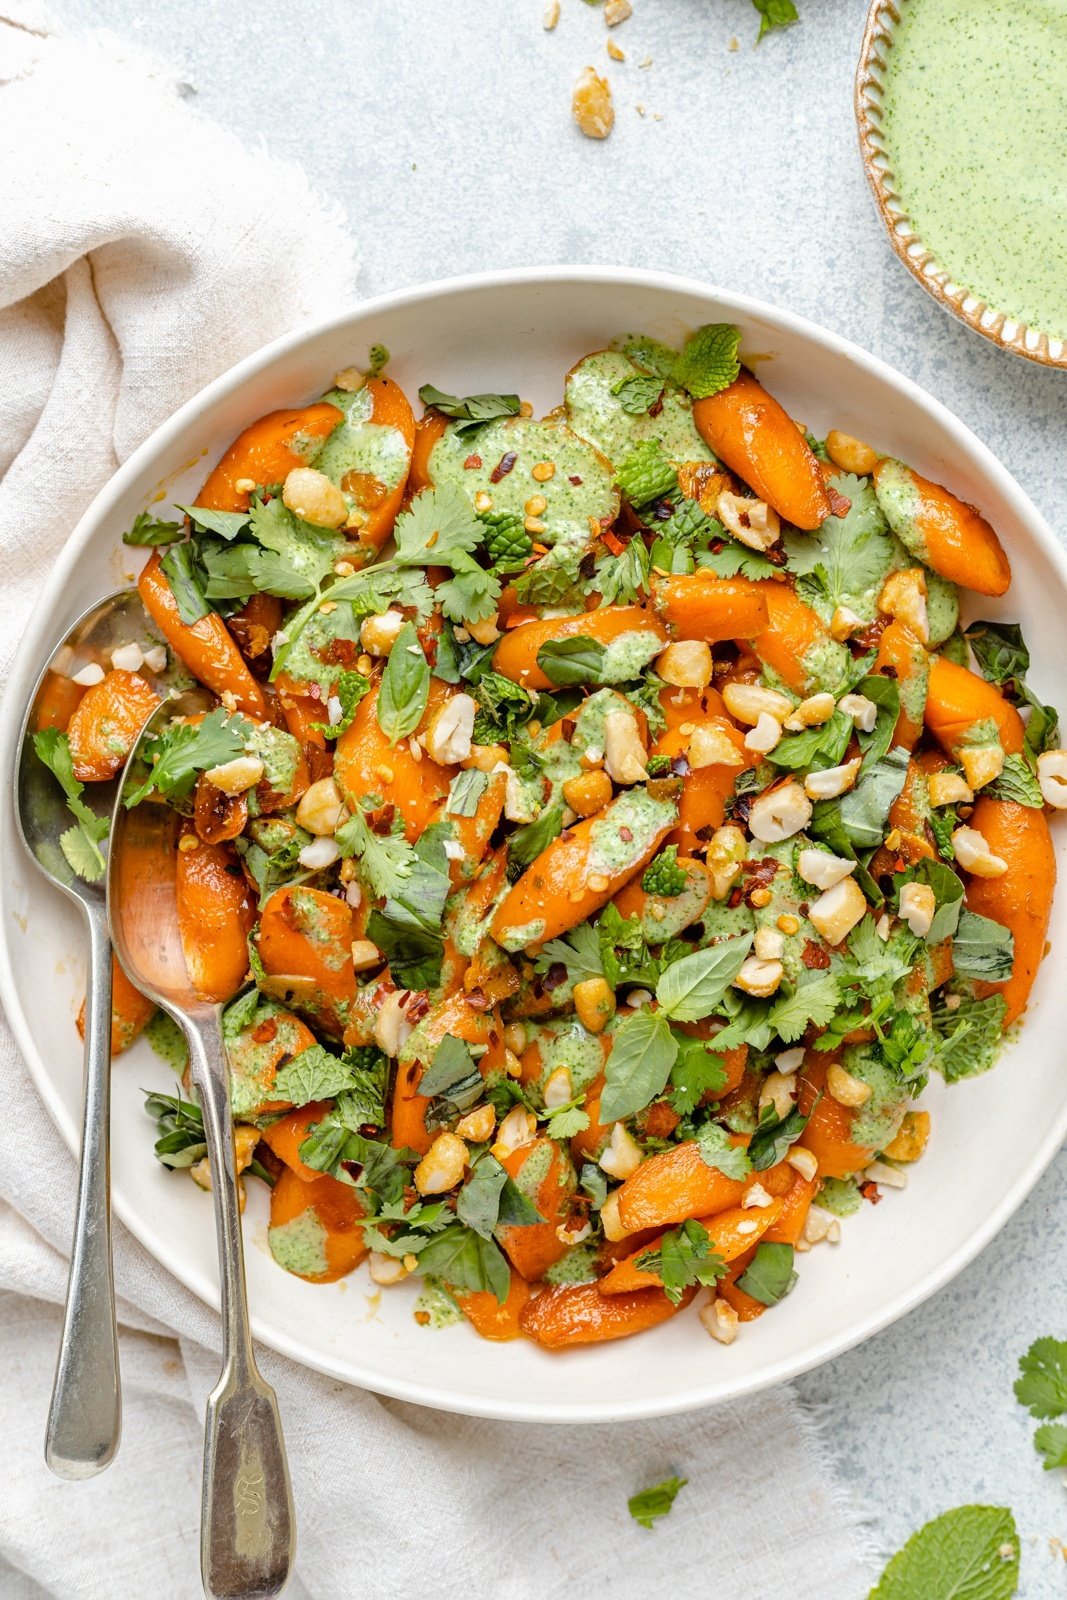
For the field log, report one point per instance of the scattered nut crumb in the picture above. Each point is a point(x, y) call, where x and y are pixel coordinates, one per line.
point(647, 62)
point(616, 11)
point(735, 43)
point(551, 16)
point(591, 105)
point(614, 52)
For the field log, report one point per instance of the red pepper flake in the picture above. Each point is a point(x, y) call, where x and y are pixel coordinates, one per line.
point(265, 1031)
point(614, 544)
point(477, 1001)
point(736, 897)
point(870, 1191)
point(840, 505)
point(503, 466)
point(814, 956)
point(472, 461)
point(574, 478)
point(626, 835)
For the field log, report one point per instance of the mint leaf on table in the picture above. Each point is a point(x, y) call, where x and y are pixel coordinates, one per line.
point(682, 1257)
point(968, 1553)
point(469, 411)
point(81, 843)
point(655, 1502)
point(1042, 1383)
point(405, 686)
point(708, 361)
point(147, 530)
point(774, 14)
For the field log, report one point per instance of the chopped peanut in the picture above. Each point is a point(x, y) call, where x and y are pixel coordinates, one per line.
point(589, 793)
point(594, 1001)
point(850, 454)
point(591, 105)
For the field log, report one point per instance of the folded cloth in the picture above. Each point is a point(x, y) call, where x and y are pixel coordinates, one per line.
point(143, 251)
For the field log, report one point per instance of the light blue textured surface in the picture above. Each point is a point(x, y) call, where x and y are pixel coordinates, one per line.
point(444, 130)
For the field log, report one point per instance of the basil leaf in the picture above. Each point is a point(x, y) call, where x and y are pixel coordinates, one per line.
point(999, 649)
point(405, 687)
point(467, 1261)
point(465, 791)
point(526, 844)
point(773, 1137)
point(572, 661)
point(982, 949)
point(827, 826)
point(824, 746)
point(490, 1199)
point(691, 988)
point(471, 410)
point(885, 693)
point(452, 1075)
point(864, 810)
point(180, 569)
point(769, 1276)
point(639, 1064)
point(227, 524)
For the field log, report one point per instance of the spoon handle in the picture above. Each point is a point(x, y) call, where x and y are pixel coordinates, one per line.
point(247, 1534)
point(85, 1416)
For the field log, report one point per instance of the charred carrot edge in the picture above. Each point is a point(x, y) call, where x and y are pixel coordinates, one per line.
point(366, 763)
point(106, 723)
point(958, 698)
point(215, 917)
point(942, 530)
point(731, 1232)
point(205, 647)
point(131, 1012)
point(748, 430)
point(337, 1207)
point(829, 1129)
point(700, 605)
point(1021, 899)
point(577, 1313)
point(488, 1317)
point(515, 656)
point(264, 453)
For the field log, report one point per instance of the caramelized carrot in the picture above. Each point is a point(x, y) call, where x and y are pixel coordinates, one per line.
point(1021, 899)
point(828, 1134)
point(474, 832)
point(488, 1317)
point(731, 1233)
point(957, 699)
point(903, 654)
point(702, 802)
point(328, 1242)
point(131, 1012)
point(365, 763)
point(747, 1308)
point(795, 644)
point(788, 1226)
point(454, 1017)
point(570, 880)
point(289, 1132)
point(577, 1313)
point(104, 728)
point(700, 605)
point(943, 531)
point(549, 1184)
point(674, 1185)
point(515, 656)
point(267, 452)
point(389, 409)
point(428, 430)
point(254, 626)
point(205, 647)
point(215, 917)
point(305, 943)
point(757, 439)
point(57, 702)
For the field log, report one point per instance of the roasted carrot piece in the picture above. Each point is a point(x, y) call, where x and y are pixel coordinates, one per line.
point(673, 1185)
point(828, 1134)
point(305, 943)
point(104, 728)
point(289, 1132)
point(254, 626)
point(57, 702)
point(474, 832)
point(545, 1175)
point(957, 699)
point(456, 1017)
point(667, 915)
point(795, 644)
point(907, 815)
point(407, 1121)
point(488, 1317)
point(573, 877)
point(515, 656)
point(705, 791)
point(577, 1313)
point(700, 605)
point(428, 430)
point(267, 452)
point(256, 1055)
point(788, 1226)
point(1021, 898)
point(205, 647)
point(389, 409)
point(757, 439)
point(731, 1233)
point(314, 1227)
point(747, 1308)
point(131, 1012)
point(215, 917)
point(901, 652)
point(366, 763)
point(941, 530)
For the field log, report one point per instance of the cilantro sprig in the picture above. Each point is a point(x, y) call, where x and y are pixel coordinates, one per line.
point(80, 844)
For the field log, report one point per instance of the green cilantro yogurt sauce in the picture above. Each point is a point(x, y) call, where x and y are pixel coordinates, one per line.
point(976, 134)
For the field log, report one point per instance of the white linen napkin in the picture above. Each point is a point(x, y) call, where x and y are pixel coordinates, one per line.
point(142, 252)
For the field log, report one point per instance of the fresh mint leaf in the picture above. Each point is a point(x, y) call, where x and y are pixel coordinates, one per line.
point(507, 544)
point(1042, 1382)
point(504, 709)
point(646, 474)
point(682, 1257)
point(971, 1552)
point(405, 686)
point(639, 1065)
point(147, 531)
point(470, 411)
point(691, 988)
point(969, 1036)
point(655, 1502)
point(349, 690)
point(637, 395)
point(314, 1074)
point(982, 949)
point(823, 746)
point(999, 649)
point(663, 876)
point(716, 1150)
point(182, 750)
point(769, 1276)
point(774, 14)
point(708, 361)
point(1017, 782)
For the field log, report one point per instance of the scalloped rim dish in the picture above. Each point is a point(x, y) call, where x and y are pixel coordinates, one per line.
point(522, 330)
point(1007, 332)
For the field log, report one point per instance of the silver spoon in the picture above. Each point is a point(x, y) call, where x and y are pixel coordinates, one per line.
point(247, 1534)
point(85, 1415)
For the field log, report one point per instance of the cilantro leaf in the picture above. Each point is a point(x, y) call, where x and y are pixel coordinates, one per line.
point(1042, 1383)
point(80, 844)
point(655, 1502)
point(691, 988)
point(708, 361)
point(438, 528)
point(182, 750)
point(845, 556)
point(683, 1257)
point(147, 531)
point(774, 14)
point(716, 1150)
point(814, 1001)
point(698, 1070)
point(625, 577)
point(733, 561)
point(405, 686)
point(769, 1276)
point(961, 1552)
point(637, 395)
point(471, 410)
point(407, 929)
point(470, 595)
point(387, 860)
point(83, 855)
point(563, 1122)
point(348, 691)
point(1050, 1441)
point(579, 952)
point(639, 1065)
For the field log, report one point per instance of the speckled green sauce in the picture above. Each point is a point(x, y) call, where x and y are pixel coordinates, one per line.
point(435, 1307)
point(577, 1266)
point(976, 136)
point(598, 415)
point(360, 445)
point(876, 1123)
point(635, 813)
point(168, 1042)
point(300, 1245)
point(567, 1044)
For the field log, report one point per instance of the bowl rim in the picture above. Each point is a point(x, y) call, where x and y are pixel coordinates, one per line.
point(1008, 333)
point(39, 635)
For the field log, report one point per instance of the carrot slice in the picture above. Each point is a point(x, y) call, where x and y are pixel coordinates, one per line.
point(365, 763)
point(533, 1248)
point(314, 1227)
point(957, 699)
point(731, 1233)
point(900, 650)
point(131, 1012)
point(515, 656)
point(828, 1134)
point(215, 917)
point(700, 605)
point(267, 452)
point(205, 647)
point(757, 439)
point(104, 728)
point(1022, 898)
point(286, 1136)
point(674, 1185)
point(577, 1313)
point(306, 935)
point(488, 1317)
point(943, 531)
point(389, 409)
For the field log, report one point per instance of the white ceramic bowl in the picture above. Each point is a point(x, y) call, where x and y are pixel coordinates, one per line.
point(992, 1137)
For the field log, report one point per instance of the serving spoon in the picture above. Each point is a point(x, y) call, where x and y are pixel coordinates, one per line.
point(247, 1533)
point(85, 1414)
